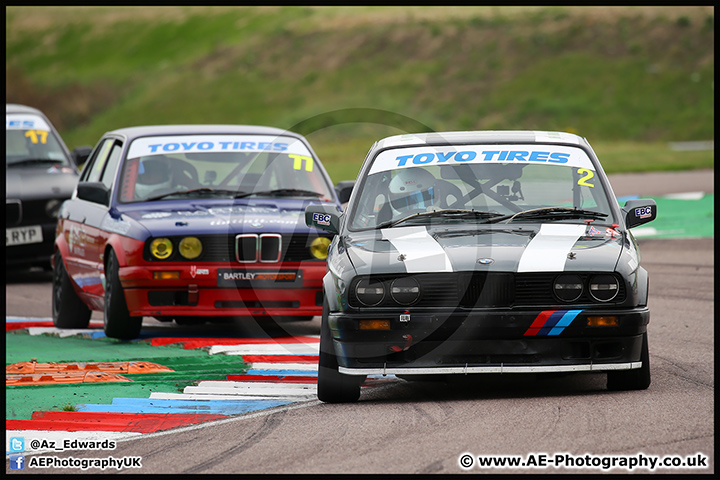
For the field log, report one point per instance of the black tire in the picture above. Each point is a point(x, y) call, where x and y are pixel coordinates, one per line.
point(637, 379)
point(333, 386)
point(118, 322)
point(68, 310)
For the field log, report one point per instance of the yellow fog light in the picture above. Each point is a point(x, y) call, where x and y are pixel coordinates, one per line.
point(190, 247)
point(604, 321)
point(319, 248)
point(374, 324)
point(161, 248)
point(166, 275)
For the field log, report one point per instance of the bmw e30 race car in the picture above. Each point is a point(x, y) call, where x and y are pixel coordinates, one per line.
point(482, 252)
point(40, 174)
point(192, 223)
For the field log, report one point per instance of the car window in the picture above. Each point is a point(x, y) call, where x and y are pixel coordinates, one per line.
point(95, 167)
point(30, 137)
point(113, 159)
point(227, 164)
point(405, 181)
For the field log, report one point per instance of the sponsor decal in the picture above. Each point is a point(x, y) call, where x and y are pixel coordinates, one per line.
point(321, 219)
point(164, 145)
point(198, 271)
point(592, 231)
point(643, 212)
point(473, 154)
point(551, 322)
point(26, 122)
point(259, 278)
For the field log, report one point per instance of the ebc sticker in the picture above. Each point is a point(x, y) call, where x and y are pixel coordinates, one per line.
point(165, 145)
point(321, 219)
point(25, 122)
point(643, 212)
point(393, 159)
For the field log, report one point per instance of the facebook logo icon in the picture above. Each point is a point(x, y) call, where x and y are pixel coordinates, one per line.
point(17, 462)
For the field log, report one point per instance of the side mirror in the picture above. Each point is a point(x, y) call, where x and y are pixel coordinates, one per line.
point(81, 154)
point(638, 212)
point(344, 189)
point(95, 192)
point(325, 217)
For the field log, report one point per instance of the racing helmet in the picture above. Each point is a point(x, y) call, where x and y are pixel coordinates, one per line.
point(153, 175)
point(412, 189)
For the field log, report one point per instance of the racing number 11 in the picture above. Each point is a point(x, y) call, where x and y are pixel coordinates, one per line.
point(33, 135)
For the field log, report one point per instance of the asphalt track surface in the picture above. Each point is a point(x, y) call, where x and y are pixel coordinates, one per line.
point(425, 427)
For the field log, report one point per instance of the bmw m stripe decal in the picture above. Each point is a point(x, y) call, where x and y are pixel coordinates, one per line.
point(551, 322)
point(548, 250)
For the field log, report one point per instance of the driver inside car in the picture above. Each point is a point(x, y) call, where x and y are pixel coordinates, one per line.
point(154, 176)
point(412, 190)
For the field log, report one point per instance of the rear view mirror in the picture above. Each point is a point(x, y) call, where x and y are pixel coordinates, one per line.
point(344, 190)
point(95, 192)
point(638, 212)
point(81, 154)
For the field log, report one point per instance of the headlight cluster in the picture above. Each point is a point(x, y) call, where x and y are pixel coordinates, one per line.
point(602, 287)
point(189, 248)
point(403, 291)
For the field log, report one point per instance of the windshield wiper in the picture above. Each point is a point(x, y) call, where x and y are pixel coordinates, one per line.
point(552, 213)
point(31, 161)
point(282, 192)
point(195, 190)
point(448, 212)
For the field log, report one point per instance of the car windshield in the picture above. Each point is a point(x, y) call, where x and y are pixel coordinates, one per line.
point(30, 141)
point(480, 184)
point(229, 166)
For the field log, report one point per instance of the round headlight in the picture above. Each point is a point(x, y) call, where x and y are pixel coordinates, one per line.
point(370, 292)
point(319, 248)
point(190, 247)
point(161, 248)
point(568, 288)
point(604, 288)
point(405, 291)
point(52, 207)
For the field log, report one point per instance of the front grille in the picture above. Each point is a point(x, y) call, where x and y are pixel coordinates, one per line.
point(231, 248)
point(484, 290)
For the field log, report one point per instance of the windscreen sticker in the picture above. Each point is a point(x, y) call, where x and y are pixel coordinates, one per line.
point(165, 145)
point(26, 122)
point(548, 250)
point(398, 158)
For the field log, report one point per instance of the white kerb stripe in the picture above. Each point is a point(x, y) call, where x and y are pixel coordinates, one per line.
point(548, 250)
point(422, 252)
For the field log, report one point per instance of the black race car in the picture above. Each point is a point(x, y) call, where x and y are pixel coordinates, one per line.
point(482, 252)
point(40, 174)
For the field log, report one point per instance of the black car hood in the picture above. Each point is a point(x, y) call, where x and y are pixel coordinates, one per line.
point(528, 248)
point(38, 183)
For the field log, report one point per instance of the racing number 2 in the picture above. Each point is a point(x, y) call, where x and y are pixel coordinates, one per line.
point(588, 175)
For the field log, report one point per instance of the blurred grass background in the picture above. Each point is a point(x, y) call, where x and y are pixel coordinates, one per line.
point(629, 79)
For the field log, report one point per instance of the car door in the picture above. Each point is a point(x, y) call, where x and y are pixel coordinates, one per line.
point(84, 218)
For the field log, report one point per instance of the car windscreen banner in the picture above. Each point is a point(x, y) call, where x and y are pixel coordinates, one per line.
point(398, 158)
point(25, 122)
point(163, 145)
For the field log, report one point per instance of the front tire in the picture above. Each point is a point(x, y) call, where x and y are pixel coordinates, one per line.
point(118, 322)
point(637, 379)
point(68, 310)
point(333, 386)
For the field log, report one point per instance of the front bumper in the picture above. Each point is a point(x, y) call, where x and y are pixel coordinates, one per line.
point(528, 341)
point(209, 290)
